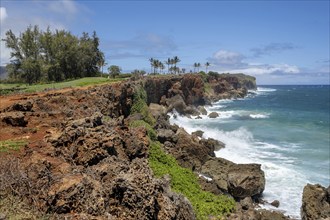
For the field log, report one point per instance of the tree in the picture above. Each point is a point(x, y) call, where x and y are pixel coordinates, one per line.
point(195, 66)
point(207, 64)
point(198, 65)
point(168, 63)
point(175, 61)
point(151, 60)
point(114, 71)
point(52, 56)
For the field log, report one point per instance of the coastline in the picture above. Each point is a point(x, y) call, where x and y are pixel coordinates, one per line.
point(93, 146)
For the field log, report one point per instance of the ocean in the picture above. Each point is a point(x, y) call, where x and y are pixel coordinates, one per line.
point(284, 128)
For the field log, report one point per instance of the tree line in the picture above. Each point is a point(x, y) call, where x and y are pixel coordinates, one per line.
point(43, 56)
point(172, 66)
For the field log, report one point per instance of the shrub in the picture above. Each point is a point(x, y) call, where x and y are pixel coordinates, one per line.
point(151, 132)
point(184, 181)
point(140, 106)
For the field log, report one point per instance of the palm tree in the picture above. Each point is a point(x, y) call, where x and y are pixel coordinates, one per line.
point(198, 65)
point(207, 64)
point(151, 60)
point(175, 61)
point(168, 63)
point(161, 66)
point(195, 66)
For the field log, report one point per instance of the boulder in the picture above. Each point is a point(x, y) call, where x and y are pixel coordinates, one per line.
point(164, 135)
point(212, 144)
point(246, 180)
point(275, 203)
point(202, 110)
point(217, 169)
point(14, 119)
point(157, 110)
point(188, 151)
point(213, 115)
point(21, 106)
point(198, 133)
point(315, 203)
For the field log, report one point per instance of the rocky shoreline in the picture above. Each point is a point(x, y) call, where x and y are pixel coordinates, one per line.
point(84, 160)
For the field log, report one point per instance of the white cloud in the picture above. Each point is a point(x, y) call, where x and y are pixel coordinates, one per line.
point(276, 69)
point(234, 62)
point(227, 57)
point(3, 14)
point(63, 7)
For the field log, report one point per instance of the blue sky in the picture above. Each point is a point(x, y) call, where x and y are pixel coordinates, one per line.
point(279, 42)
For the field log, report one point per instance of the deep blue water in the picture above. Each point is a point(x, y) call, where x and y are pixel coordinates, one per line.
point(285, 128)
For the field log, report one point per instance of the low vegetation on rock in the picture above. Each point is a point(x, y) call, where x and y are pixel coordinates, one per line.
point(184, 181)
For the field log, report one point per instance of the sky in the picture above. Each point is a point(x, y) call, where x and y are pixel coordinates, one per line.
point(278, 42)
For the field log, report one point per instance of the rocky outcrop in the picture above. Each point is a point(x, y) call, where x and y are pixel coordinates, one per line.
point(315, 202)
point(85, 162)
point(14, 119)
point(245, 180)
point(239, 180)
point(213, 115)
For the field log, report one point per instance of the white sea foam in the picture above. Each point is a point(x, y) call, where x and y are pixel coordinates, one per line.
point(256, 116)
point(242, 147)
point(263, 89)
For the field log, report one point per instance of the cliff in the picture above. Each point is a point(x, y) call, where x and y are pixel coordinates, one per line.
point(87, 153)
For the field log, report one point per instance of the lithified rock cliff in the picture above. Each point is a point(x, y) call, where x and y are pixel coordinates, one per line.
point(82, 160)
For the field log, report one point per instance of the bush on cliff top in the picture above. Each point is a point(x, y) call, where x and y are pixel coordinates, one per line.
point(185, 181)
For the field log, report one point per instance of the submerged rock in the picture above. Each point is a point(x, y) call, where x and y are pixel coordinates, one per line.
point(213, 115)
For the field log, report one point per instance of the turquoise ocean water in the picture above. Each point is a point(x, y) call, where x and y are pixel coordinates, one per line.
point(284, 128)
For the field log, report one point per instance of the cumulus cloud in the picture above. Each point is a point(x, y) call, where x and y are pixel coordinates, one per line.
point(268, 69)
point(227, 57)
point(3, 14)
point(234, 62)
point(272, 48)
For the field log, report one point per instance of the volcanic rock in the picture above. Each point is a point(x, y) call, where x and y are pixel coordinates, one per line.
point(315, 203)
point(213, 115)
point(246, 180)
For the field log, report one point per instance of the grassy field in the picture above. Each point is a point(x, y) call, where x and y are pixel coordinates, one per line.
point(24, 88)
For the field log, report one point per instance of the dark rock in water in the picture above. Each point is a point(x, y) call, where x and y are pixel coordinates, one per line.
point(14, 119)
point(198, 117)
point(198, 133)
point(245, 180)
point(213, 144)
point(202, 110)
point(315, 203)
point(275, 203)
point(213, 115)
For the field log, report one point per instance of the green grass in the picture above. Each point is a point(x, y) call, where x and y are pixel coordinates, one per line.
point(184, 181)
point(12, 145)
point(9, 88)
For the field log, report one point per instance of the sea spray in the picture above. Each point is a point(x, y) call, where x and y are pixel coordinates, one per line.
point(279, 128)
